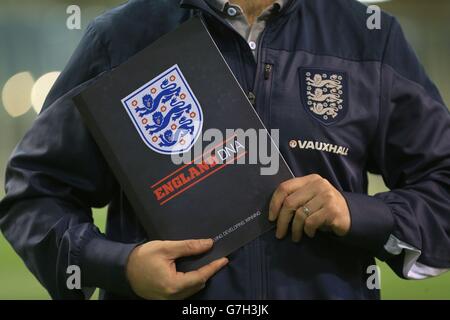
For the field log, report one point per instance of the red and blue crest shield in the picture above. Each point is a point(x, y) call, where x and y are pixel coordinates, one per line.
point(166, 113)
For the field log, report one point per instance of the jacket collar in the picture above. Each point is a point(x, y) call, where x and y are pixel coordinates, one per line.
point(201, 4)
point(221, 5)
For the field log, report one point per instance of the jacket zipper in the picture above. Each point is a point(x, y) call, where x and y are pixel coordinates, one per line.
point(252, 98)
point(267, 71)
point(260, 259)
point(259, 292)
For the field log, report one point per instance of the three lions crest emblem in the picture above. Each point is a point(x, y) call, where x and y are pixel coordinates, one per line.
point(166, 113)
point(324, 94)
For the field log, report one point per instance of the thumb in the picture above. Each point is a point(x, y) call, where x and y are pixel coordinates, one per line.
point(177, 249)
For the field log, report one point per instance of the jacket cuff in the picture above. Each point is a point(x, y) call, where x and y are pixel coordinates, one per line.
point(372, 222)
point(103, 265)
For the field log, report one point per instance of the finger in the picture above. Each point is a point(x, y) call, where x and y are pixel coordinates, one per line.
point(283, 221)
point(177, 249)
point(194, 281)
point(314, 204)
point(314, 222)
point(305, 196)
point(277, 201)
point(285, 189)
point(292, 203)
point(298, 224)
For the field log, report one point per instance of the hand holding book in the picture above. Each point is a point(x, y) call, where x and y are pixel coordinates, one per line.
point(152, 272)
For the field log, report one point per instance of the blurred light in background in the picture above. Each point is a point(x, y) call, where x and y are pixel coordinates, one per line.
point(41, 89)
point(21, 92)
point(373, 1)
point(16, 94)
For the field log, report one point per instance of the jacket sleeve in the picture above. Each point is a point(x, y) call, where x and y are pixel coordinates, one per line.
point(54, 177)
point(409, 226)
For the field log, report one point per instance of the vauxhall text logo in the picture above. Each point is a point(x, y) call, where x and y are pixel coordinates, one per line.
point(319, 146)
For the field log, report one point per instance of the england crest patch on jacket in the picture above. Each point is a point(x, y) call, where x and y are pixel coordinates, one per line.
point(324, 94)
point(166, 113)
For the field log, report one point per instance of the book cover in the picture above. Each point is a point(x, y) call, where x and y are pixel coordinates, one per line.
point(185, 143)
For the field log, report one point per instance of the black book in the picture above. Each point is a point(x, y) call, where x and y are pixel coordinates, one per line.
point(176, 99)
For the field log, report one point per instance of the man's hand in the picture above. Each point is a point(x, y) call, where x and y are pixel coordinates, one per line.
point(312, 203)
point(152, 273)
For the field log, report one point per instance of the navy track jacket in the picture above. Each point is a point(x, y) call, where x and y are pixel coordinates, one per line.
point(385, 117)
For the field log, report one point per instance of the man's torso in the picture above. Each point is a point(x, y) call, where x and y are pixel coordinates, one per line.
point(315, 78)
